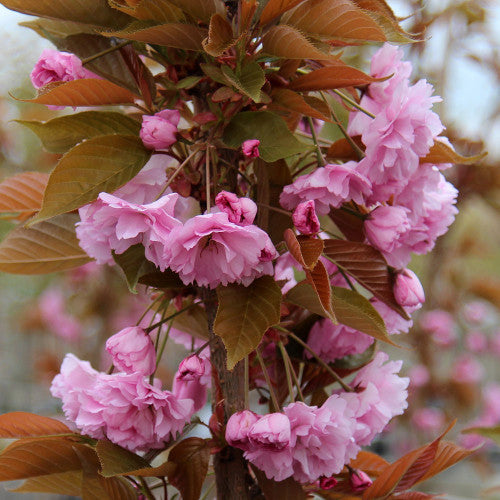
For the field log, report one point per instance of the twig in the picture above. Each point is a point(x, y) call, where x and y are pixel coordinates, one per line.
point(353, 103)
point(268, 381)
point(104, 52)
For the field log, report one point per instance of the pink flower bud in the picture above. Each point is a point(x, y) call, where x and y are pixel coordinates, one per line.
point(192, 379)
point(238, 426)
point(305, 219)
point(408, 290)
point(359, 480)
point(327, 483)
point(240, 211)
point(467, 370)
point(385, 225)
point(251, 148)
point(271, 431)
point(132, 351)
point(191, 368)
point(158, 131)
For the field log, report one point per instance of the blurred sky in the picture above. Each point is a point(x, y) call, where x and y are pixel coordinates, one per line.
point(471, 91)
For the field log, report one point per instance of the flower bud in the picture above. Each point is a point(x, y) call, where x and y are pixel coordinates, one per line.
point(359, 480)
point(251, 148)
point(240, 211)
point(408, 290)
point(327, 483)
point(132, 351)
point(238, 426)
point(192, 379)
point(305, 219)
point(158, 131)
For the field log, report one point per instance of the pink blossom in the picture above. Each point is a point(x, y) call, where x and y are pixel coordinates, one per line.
point(428, 419)
point(383, 395)
point(159, 131)
point(408, 290)
point(475, 312)
point(284, 271)
point(240, 211)
point(467, 370)
point(440, 325)
point(476, 341)
point(394, 322)
point(384, 227)
point(192, 379)
point(121, 407)
point(359, 480)
point(52, 312)
point(238, 426)
point(332, 342)
point(111, 223)
point(495, 343)
point(305, 219)
point(250, 148)
point(419, 375)
point(210, 250)
point(185, 339)
point(132, 351)
point(271, 431)
point(330, 185)
point(55, 66)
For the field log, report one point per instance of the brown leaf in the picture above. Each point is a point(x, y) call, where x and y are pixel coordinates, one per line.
point(413, 495)
point(157, 10)
point(290, 100)
point(335, 19)
point(369, 462)
point(19, 424)
point(84, 92)
point(440, 152)
point(220, 36)
point(304, 249)
point(379, 6)
point(350, 225)
point(335, 75)
point(320, 281)
point(21, 195)
point(341, 149)
point(191, 457)
point(177, 35)
point(63, 483)
point(288, 42)
point(275, 8)
point(202, 10)
point(367, 266)
point(46, 247)
point(288, 489)
point(248, 9)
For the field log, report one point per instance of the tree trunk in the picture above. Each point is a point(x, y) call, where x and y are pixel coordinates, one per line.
point(231, 471)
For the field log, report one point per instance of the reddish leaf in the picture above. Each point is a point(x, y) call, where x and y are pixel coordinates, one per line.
point(413, 495)
point(21, 195)
point(335, 75)
point(178, 35)
point(191, 456)
point(351, 226)
point(379, 6)
point(369, 462)
point(288, 489)
point(275, 8)
point(63, 483)
point(342, 149)
point(19, 424)
point(335, 19)
point(320, 281)
point(247, 9)
point(157, 10)
point(292, 101)
point(304, 249)
point(367, 266)
point(200, 10)
point(440, 152)
point(288, 42)
point(220, 36)
point(85, 92)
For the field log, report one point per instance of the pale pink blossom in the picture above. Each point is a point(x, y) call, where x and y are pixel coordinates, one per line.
point(328, 186)
point(210, 250)
point(284, 270)
point(332, 342)
point(383, 395)
point(476, 341)
point(271, 431)
point(159, 131)
point(385, 226)
point(408, 290)
point(466, 370)
point(359, 480)
point(475, 312)
point(192, 380)
point(305, 219)
point(187, 340)
point(240, 211)
point(440, 325)
point(428, 419)
point(55, 66)
point(238, 426)
point(495, 343)
point(122, 407)
point(250, 148)
point(419, 375)
point(394, 322)
point(132, 351)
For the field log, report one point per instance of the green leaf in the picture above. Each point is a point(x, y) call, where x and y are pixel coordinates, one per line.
point(276, 141)
point(61, 134)
point(96, 12)
point(492, 433)
point(355, 311)
point(116, 461)
point(249, 80)
point(244, 315)
point(100, 164)
point(53, 29)
point(133, 263)
point(46, 247)
point(191, 457)
point(303, 295)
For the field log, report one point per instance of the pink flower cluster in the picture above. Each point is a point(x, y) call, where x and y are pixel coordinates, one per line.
point(308, 442)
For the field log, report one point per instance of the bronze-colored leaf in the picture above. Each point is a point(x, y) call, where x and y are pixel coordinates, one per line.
point(84, 92)
point(244, 315)
point(220, 36)
point(99, 164)
point(63, 483)
point(288, 42)
point(304, 249)
point(275, 8)
point(369, 462)
point(247, 9)
point(46, 247)
point(201, 10)
point(341, 149)
point(20, 424)
point(304, 295)
point(156, 10)
point(193, 321)
point(191, 457)
point(335, 20)
point(367, 266)
point(320, 281)
point(350, 225)
point(335, 75)
point(21, 195)
point(290, 100)
point(116, 460)
point(288, 489)
point(441, 152)
point(177, 35)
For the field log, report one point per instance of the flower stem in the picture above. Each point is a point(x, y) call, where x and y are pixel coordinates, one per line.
point(207, 177)
point(319, 154)
point(274, 399)
point(104, 52)
point(176, 172)
point(353, 103)
point(294, 375)
point(287, 371)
